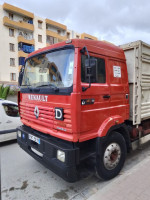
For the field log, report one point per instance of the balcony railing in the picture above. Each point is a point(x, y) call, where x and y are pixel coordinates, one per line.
point(16, 10)
point(56, 35)
point(56, 24)
point(24, 49)
point(24, 40)
point(20, 24)
point(87, 36)
point(22, 54)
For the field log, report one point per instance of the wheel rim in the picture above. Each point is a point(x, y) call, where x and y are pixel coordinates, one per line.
point(112, 156)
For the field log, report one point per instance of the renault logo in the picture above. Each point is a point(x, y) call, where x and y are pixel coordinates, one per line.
point(36, 112)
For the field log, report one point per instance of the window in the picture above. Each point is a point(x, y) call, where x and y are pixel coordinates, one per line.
point(39, 38)
point(25, 19)
point(11, 47)
point(86, 38)
point(11, 110)
point(12, 61)
point(77, 36)
point(50, 40)
point(11, 16)
point(40, 24)
point(13, 76)
point(59, 31)
point(11, 32)
point(68, 35)
point(55, 40)
point(100, 69)
point(55, 68)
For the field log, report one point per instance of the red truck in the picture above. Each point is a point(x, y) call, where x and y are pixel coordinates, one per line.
point(83, 98)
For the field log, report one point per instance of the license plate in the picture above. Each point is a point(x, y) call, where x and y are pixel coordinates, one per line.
point(33, 138)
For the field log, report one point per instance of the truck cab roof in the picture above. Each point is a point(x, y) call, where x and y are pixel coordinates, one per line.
point(102, 47)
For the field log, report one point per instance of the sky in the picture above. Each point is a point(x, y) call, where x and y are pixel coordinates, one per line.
point(117, 21)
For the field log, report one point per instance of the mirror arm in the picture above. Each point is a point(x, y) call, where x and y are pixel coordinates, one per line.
point(85, 88)
point(21, 74)
point(83, 51)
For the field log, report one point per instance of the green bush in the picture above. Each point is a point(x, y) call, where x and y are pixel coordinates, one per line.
point(1, 90)
point(4, 91)
point(13, 92)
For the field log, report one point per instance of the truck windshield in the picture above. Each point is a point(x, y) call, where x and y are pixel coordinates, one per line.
point(54, 69)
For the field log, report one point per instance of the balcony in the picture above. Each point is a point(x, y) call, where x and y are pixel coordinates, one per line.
point(21, 61)
point(55, 35)
point(16, 10)
point(24, 40)
point(56, 24)
point(18, 25)
point(87, 36)
point(24, 49)
point(22, 54)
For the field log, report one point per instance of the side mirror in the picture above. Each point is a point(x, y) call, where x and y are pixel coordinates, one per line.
point(20, 76)
point(91, 70)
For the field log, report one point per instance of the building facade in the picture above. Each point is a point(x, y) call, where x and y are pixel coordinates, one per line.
point(21, 33)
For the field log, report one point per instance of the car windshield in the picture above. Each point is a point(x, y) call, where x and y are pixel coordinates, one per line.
point(54, 69)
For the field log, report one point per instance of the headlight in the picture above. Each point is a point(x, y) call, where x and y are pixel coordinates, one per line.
point(61, 155)
point(19, 133)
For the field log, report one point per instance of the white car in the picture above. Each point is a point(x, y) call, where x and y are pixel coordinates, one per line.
point(9, 120)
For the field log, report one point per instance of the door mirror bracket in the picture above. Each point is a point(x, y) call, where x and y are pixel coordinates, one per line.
point(90, 69)
point(21, 75)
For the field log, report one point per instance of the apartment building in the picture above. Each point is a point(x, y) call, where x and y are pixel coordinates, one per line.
point(72, 34)
point(21, 32)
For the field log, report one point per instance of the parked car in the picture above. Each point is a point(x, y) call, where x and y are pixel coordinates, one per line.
point(9, 120)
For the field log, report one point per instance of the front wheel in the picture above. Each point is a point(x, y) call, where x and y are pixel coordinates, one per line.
point(111, 157)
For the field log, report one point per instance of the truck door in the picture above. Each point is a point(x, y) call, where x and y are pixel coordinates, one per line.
point(119, 92)
point(95, 100)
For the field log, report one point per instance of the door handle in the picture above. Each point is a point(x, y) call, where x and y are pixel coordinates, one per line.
point(106, 96)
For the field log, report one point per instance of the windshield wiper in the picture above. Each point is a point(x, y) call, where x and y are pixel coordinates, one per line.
point(50, 84)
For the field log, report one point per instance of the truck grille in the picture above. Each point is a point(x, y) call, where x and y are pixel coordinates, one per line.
point(46, 117)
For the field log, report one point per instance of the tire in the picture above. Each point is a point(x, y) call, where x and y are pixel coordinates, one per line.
point(111, 156)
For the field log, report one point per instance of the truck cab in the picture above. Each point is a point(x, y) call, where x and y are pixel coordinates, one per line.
point(73, 103)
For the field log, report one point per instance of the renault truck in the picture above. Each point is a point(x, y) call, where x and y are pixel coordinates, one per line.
point(83, 98)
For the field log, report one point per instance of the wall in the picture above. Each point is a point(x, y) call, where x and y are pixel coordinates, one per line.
point(38, 31)
point(5, 54)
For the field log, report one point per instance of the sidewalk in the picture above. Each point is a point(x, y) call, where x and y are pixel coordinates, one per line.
point(135, 185)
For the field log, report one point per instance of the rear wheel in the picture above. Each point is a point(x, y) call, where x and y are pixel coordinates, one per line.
point(112, 155)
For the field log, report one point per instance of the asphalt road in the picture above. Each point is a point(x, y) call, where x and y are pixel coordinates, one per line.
point(24, 178)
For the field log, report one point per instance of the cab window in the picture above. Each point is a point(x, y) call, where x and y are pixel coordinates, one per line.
point(11, 110)
point(100, 69)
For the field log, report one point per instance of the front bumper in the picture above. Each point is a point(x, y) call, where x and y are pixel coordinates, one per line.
point(48, 153)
